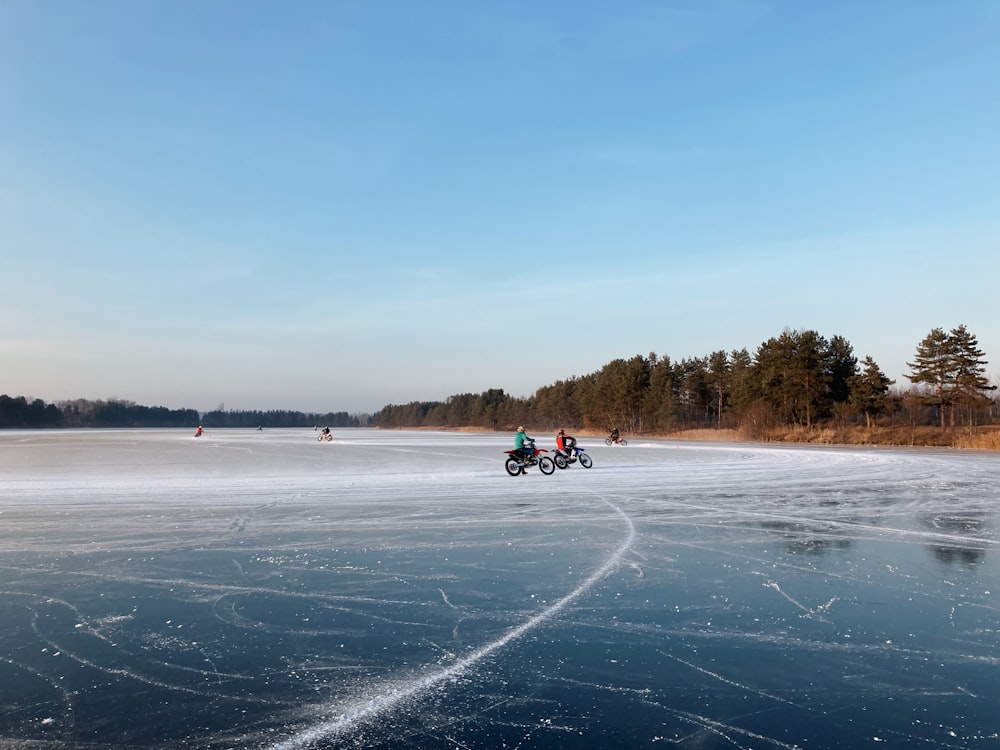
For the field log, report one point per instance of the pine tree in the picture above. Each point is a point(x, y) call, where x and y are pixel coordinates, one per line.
point(843, 366)
point(970, 371)
point(794, 375)
point(952, 365)
point(934, 365)
point(718, 378)
point(869, 391)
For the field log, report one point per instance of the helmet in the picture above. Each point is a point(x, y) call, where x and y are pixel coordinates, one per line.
point(521, 428)
point(562, 432)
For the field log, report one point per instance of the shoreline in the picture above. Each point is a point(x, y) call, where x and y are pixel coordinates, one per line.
point(986, 438)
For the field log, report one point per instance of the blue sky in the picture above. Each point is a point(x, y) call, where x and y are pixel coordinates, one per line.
point(341, 205)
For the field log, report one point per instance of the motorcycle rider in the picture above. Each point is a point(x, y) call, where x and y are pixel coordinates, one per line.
point(565, 443)
point(615, 437)
point(523, 444)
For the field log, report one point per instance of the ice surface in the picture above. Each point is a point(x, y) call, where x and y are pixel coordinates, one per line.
point(399, 590)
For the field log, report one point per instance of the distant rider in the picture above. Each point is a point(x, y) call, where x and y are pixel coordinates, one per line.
point(615, 437)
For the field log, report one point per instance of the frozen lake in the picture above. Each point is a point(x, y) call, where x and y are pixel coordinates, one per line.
point(399, 590)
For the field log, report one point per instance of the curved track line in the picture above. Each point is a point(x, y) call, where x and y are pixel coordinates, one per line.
point(365, 708)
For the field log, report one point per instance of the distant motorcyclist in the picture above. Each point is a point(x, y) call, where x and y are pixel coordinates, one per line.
point(615, 436)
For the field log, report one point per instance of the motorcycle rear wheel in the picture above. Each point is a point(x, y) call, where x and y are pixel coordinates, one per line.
point(512, 466)
point(560, 461)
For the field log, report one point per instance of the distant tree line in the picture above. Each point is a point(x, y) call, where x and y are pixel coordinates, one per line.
point(119, 413)
point(19, 412)
point(797, 378)
point(276, 418)
point(491, 409)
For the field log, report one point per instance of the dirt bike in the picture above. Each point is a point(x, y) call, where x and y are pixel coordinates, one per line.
point(325, 436)
point(563, 459)
point(517, 463)
point(615, 441)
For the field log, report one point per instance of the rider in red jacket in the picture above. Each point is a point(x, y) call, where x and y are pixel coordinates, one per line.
point(565, 443)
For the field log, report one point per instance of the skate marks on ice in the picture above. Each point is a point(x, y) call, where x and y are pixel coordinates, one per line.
point(138, 631)
point(839, 602)
point(810, 608)
point(399, 591)
point(347, 715)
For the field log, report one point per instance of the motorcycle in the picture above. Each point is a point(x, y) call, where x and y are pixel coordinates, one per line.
point(325, 436)
point(576, 453)
point(615, 441)
point(517, 463)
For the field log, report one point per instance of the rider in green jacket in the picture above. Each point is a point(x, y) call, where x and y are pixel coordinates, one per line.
point(522, 443)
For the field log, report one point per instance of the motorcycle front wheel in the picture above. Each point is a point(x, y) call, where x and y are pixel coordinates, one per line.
point(512, 467)
point(546, 464)
point(586, 461)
